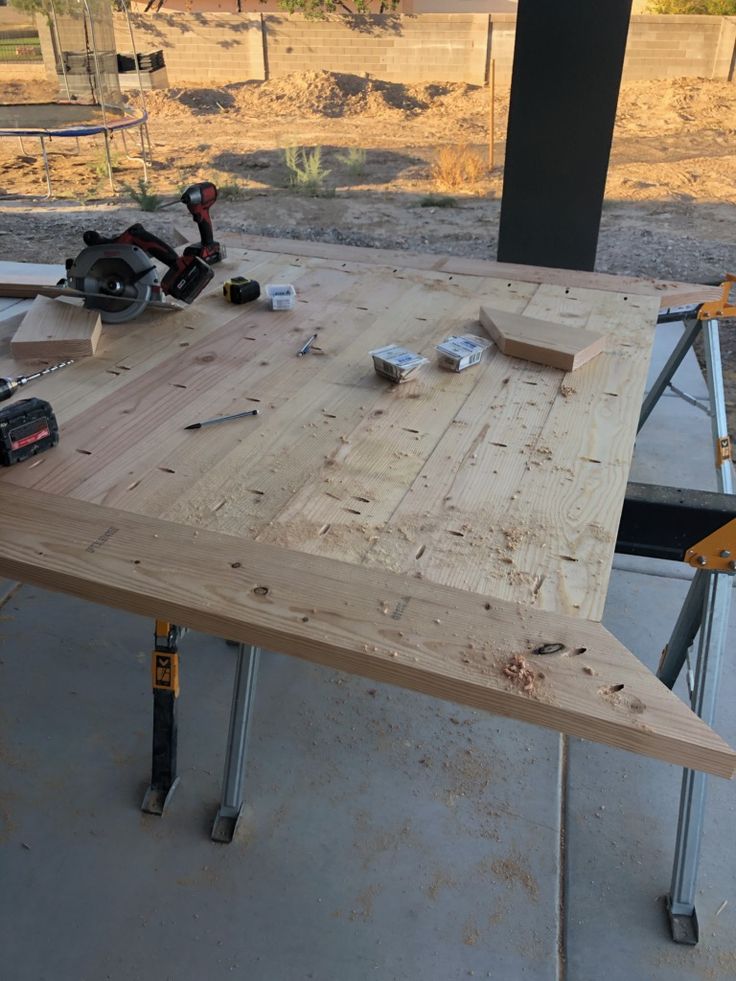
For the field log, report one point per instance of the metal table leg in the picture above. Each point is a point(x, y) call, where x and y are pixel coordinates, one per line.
point(165, 680)
point(711, 644)
point(692, 329)
point(714, 591)
point(688, 623)
point(231, 807)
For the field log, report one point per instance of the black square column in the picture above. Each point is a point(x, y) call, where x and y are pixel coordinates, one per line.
point(568, 60)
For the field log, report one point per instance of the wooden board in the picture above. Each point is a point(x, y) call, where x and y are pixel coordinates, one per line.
point(669, 293)
point(541, 341)
point(499, 485)
point(53, 330)
point(429, 638)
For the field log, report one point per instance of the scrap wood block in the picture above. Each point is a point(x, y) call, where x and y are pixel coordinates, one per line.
point(53, 329)
point(541, 341)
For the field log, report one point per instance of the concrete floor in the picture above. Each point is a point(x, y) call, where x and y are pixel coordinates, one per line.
point(387, 835)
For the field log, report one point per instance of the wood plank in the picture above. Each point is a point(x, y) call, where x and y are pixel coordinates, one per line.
point(444, 642)
point(541, 341)
point(670, 292)
point(53, 330)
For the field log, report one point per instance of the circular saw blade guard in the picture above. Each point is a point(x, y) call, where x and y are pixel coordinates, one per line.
point(118, 280)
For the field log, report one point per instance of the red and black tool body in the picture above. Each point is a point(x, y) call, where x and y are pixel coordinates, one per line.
point(198, 199)
point(27, 427)
point(188, 274)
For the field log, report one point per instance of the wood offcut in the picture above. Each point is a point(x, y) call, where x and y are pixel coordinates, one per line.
point(54, 330)
point(541, 341)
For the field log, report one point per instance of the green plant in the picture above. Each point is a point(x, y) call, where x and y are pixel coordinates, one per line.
point(99, 165)
point(354, 159)
point(457, 165)
point(306, 172)
point(143, 196)
point(720, 8)
point(320, 9)
point(231, 192)
point(438, 201)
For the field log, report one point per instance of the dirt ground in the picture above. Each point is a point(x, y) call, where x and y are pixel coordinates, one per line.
point(670, 207)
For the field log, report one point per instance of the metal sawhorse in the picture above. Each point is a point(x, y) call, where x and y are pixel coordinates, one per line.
point(705, 612)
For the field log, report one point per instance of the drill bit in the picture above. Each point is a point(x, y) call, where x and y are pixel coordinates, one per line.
point(9, 386)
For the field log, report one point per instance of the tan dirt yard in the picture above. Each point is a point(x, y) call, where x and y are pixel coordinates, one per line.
point(670, 207)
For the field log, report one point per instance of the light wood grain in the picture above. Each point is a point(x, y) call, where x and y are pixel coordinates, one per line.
point(668, 292)
point(429, 638)
point(541, 341)
point(494, 483)
point(53, 330)
point(420, 479)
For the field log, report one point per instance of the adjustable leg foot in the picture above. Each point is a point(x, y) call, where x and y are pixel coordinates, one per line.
point(225, 825)
point(683, 925)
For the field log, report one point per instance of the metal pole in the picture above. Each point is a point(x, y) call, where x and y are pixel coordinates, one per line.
point(60, 54)
point(46, 166)
point(688, 623)
point(681, 901)
point(109, 160)
point(241, 712)
point(123, 4)
point(491, 117)
point(692, 329)
point(98, 76)
point(716, 609)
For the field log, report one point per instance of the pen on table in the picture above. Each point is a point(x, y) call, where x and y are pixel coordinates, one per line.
point(211, 422)
point(306, 346)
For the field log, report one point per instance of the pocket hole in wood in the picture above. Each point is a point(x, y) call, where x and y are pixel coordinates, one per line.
point(235, 565)
point(420, 552)
point(551, 648)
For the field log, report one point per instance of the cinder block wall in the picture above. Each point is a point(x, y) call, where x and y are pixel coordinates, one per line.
point(215, 48)
point(199, 48)
point(665, 47)
point(503, 35)
point(399, 48)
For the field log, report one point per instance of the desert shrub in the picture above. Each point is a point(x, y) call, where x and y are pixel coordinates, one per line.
point(457, 166)
point(438, 201)
point(143, 196)
point(720, 8)
point(354, 159)
point(306, 172)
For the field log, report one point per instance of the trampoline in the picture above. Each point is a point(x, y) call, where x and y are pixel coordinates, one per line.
point(90, 101)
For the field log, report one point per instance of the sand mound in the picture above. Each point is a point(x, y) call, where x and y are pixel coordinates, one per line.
point(321, 94)
point(676, 104)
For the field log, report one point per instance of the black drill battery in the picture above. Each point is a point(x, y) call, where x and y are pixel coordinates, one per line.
point(241, 290)
point(27, 427)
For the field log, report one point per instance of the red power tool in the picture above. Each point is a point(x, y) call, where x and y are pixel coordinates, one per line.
point(117, 275)
point(198, 199)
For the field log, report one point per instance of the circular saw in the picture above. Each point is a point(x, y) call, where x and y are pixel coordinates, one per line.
point(118, 276)
point(118, 280)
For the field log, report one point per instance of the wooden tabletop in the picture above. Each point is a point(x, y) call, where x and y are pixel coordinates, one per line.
point(504, 481)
